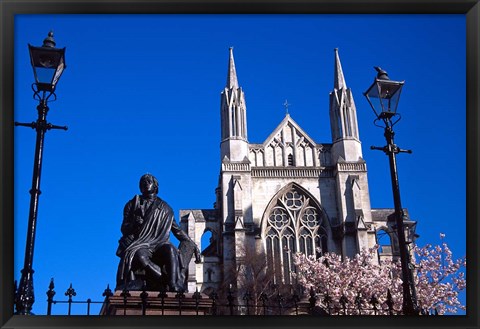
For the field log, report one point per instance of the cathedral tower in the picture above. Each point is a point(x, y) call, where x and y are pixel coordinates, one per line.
point(353, 200)
point(235, 197)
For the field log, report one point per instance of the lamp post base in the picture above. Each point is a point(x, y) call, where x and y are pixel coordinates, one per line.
point(24, 297)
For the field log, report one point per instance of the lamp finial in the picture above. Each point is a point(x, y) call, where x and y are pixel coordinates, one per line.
point(382, 74)
point(49, 42)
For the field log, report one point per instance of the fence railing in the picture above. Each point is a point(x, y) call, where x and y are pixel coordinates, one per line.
point(275, 301)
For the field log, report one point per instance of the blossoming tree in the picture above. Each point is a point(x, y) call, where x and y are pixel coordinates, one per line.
point(362, 281)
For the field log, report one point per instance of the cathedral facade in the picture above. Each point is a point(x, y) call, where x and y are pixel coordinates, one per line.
point(286, 194)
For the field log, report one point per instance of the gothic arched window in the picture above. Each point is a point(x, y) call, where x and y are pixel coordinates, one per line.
point(294, 224)
point(384, 242)
point(290, 160)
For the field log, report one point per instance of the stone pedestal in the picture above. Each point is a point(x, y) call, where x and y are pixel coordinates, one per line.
point(152, 304)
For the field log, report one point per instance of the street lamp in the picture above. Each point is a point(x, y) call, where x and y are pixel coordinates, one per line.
point(48, 64)
point(383, 96)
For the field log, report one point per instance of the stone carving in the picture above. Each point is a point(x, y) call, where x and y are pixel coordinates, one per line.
point(147, 257)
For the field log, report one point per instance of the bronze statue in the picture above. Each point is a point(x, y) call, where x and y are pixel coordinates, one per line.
point(146, 255)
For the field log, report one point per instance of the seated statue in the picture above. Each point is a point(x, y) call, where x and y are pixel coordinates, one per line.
point(146, 255)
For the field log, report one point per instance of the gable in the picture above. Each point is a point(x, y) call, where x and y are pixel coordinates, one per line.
point(287, 131)
point(287, 146)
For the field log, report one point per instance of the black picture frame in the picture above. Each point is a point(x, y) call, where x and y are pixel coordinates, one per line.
point(10, 8)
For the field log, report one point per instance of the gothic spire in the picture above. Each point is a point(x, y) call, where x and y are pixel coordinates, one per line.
point(233, 111)
point(339, 78)
point(232, 81)
point(343, 118)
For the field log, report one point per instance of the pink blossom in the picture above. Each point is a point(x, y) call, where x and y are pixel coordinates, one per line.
point(438, 279)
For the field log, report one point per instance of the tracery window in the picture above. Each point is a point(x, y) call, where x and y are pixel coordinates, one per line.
point(294, 224)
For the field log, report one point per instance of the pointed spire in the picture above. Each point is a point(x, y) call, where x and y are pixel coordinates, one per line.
point(339, 78)
point(232, 81)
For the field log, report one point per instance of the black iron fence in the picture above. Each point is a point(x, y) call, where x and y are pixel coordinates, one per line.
point(275, 301)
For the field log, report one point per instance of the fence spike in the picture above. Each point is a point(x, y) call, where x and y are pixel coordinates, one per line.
point(312, 299)
point(264, 299)
point(50, 291)
point(328, 300)
point(247, 297)
point(197, 296)
point(144, 296)
point(389, 302)
point(295, 299)
point(280, 300)
point(180, 296)
point(358, 302)
point(51, 286)
point(230, 299)
point(70, 293)
point(163, 295)
point(213, 297)
point(50, 294)
point(125, 294)
point(343, 301)
point(107, 293)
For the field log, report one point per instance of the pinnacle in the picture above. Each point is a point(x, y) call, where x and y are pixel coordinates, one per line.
point(232, 81)
point(339, 79)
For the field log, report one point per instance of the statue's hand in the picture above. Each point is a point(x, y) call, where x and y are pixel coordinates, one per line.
point(138, 220)
point(198, 258)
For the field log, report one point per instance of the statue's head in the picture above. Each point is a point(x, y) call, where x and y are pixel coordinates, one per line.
point(148, 184)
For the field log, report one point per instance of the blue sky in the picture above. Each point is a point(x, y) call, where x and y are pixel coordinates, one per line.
point(141, 93)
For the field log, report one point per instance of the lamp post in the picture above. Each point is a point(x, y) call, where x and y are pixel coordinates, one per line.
point(48, 64)
point(383, 96)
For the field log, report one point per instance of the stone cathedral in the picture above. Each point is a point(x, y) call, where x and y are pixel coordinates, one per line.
point(286, 194)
